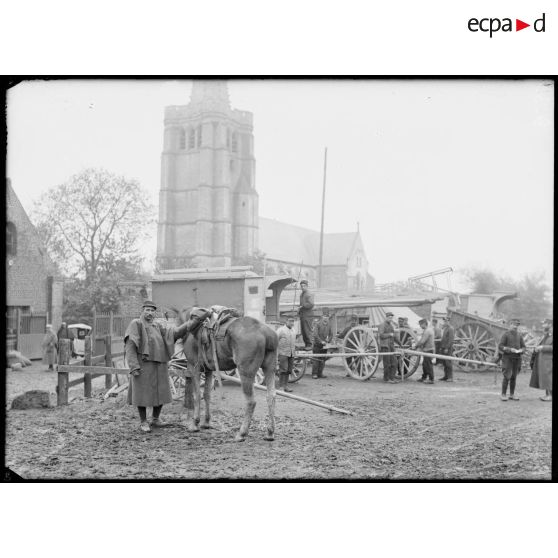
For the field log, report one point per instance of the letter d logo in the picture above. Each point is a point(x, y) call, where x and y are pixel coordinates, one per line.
point(541, 21)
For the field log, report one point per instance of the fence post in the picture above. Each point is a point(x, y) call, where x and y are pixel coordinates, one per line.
point(63, 377)
point(108, 359)
point(18, 328)
point(87, 362)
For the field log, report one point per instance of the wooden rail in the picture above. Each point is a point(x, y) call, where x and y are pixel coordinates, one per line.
point(88, 366)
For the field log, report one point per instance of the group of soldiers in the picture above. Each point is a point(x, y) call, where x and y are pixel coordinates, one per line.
point(434, 340)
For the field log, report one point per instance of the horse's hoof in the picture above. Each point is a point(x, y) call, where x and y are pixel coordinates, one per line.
point(239, 438)
point(269, 438)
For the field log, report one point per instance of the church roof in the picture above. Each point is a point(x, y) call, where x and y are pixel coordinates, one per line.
point(291, 243)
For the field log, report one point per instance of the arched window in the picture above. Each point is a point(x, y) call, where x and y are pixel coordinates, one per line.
point(192, 139)
point(182, 139)
point(234, 142)
point(11, 239)
point(199, 136)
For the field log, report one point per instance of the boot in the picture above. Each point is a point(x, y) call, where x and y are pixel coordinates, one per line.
point(284, 383)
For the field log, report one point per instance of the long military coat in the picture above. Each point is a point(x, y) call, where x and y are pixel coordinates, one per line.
point(148, 349)
point(49, 346)
point(541, 375)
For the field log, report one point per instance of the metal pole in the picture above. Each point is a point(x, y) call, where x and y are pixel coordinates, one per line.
point(322, 227)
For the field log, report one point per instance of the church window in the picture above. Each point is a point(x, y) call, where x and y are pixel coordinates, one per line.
point(182, 139)
point(234, 143)
point(199, 133)
point(192, 139)
point(228, 139)
point(11, 239)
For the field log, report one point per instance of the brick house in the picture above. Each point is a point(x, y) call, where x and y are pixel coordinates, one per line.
point(33, 289)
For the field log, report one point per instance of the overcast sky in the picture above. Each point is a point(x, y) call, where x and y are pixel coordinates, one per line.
point(437, 173)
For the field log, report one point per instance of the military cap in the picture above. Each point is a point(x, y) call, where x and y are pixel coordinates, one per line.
point(304, 282)
point(423, 321)
point(389, 314)
point(149, 304)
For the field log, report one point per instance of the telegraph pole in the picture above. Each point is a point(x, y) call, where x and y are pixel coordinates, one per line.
point(322, 227)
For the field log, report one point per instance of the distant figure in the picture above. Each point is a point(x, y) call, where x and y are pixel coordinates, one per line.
point(322, 336)
point(353, 323)
point(541, 362)
point(426, 345)
point(511, 347)
point(65, 333)
point(287, 337)
point(388, 338)
point(342, 334)
point(437, 337)
point(305, 313)
point(49, 345)
point(446, 348)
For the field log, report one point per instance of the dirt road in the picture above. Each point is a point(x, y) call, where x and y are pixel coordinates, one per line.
point(404, 431)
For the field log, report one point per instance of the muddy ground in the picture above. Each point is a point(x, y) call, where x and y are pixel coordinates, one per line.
point(404, 431)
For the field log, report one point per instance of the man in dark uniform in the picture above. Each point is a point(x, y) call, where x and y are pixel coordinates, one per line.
point(511, 347)
point(322, 336)
point(305, 313)
point(149, 346)
point(446, 348)
point(437, 338)
point(387, 337)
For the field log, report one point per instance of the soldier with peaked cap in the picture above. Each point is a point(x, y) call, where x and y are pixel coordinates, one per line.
point(388, 338)
point(305, 313)
point(446, 348)
point(541, 362)
point(149, 346)
point(511, 347)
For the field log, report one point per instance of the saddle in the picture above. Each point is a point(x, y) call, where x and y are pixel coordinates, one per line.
point(214, 327)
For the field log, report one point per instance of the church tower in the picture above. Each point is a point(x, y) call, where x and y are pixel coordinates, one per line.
point(208, 205)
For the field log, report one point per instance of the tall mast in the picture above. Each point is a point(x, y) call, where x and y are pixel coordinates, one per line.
point(322, 227)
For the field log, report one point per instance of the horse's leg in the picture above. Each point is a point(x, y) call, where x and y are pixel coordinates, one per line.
point(192, 386)
point(197, 398)
point(268, 368)
point(207, 398)
point(247, 384)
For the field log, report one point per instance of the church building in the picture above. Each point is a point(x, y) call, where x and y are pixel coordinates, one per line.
point(208, 204)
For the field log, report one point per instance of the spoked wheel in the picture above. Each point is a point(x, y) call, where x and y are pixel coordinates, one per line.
point(361, 339)
point(407, 364)
point(299, 368)
point(473, 340)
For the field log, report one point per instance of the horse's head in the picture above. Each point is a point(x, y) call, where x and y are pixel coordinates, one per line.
point(195, 317)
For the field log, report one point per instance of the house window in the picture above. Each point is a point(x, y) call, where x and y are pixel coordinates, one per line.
point(11, 239)
point(234, 143)
point(182, 139)
point(199, 133)
point(192, 139)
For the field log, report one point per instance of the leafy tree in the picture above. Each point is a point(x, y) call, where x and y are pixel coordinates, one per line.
point(93, 222)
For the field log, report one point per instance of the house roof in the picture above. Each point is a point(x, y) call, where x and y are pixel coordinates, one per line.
point(291, 243)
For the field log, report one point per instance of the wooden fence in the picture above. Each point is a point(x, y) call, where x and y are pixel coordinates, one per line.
point(90, 366)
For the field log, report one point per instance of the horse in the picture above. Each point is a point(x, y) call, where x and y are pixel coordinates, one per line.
point(248, 345)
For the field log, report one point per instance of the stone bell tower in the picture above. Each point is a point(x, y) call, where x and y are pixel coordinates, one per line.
point(208, 205)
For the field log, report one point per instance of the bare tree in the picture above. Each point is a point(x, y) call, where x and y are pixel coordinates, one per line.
point(93, 220)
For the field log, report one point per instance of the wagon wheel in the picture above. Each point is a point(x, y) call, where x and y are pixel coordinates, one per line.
point(299, 368)
point(361, 339)
point(473, 340)
point(407, 364)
